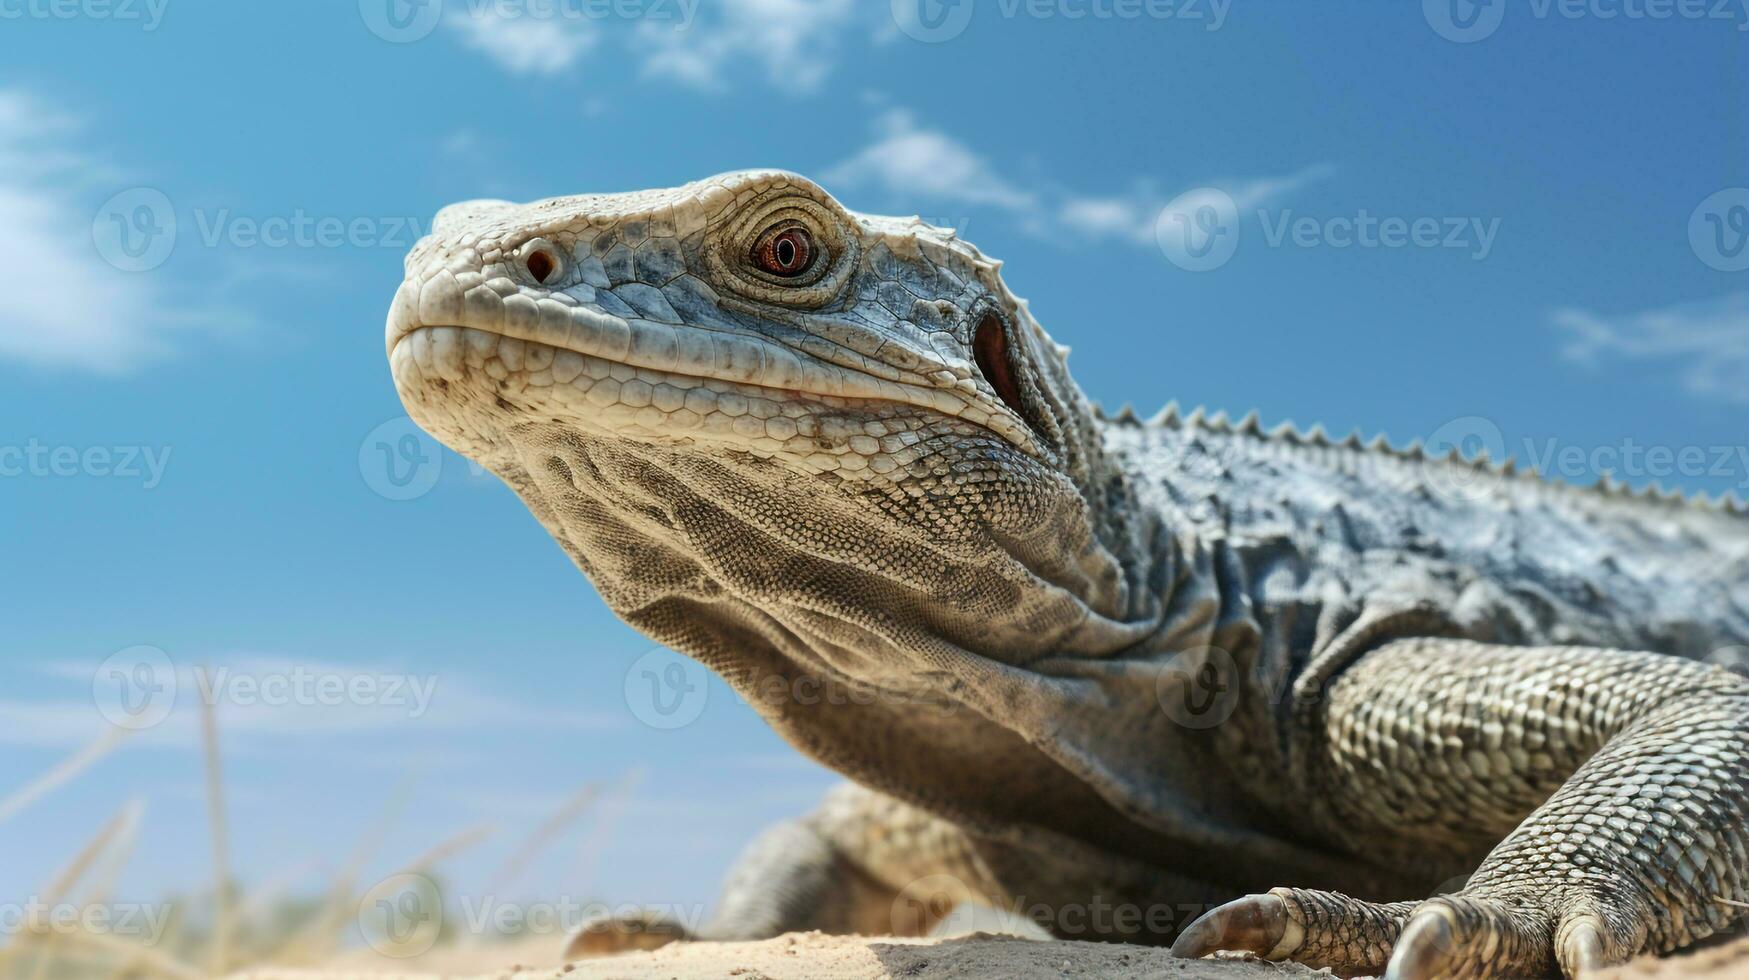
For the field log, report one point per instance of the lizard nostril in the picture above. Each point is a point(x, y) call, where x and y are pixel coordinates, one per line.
point(542, 261)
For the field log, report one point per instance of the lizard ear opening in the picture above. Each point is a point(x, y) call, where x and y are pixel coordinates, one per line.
point(990, 350)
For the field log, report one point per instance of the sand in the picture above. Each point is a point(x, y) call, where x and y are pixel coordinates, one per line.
point(812, 956)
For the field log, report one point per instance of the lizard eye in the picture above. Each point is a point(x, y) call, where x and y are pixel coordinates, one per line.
point(990, 350)
point(785, 253)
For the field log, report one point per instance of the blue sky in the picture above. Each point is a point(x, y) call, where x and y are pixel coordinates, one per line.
point(203, 457)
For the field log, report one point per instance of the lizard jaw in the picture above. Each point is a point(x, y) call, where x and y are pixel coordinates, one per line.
point(487, 313)
point(473, 388)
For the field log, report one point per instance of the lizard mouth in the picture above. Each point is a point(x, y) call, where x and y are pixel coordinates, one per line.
point(656, 370)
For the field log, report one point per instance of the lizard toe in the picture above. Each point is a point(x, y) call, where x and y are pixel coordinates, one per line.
point(1314, 928)
point(1462, 937)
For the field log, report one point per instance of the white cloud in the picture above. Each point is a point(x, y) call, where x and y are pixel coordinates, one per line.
point(906, 159)
point(1250, 193)
point(909, 162)
point(526, 45)
point(1132, 217)
point(796, 42)
point(63, 306)
point(1706, 343)
point(1104, 216)
point(259, 701)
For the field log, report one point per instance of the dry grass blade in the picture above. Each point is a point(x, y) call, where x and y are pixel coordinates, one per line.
point(219, 953)
point(51, 895)
point(72, 766)
point(613, 806)
point(554, 825)
point(320, 936)
point(315, 942)
point(117, 855)
point(119, 825)
point(449, 847)
point(140, 954)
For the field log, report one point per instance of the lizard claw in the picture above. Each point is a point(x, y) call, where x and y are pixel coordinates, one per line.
point(1580, 948)
point(1253, 924)
point(1424, 950)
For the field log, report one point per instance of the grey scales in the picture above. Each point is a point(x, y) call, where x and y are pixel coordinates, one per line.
point(1359, 707)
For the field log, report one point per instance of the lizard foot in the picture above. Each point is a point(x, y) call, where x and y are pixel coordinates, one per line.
point(610, 934)
point(1453, 937)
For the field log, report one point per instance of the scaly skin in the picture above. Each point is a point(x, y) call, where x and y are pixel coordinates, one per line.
point(1108, 673)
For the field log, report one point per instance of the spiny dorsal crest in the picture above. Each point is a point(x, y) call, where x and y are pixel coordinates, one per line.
point(1289, 435)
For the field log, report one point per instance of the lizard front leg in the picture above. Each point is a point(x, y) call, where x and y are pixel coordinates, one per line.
point(1619, 781)
point(861, 863)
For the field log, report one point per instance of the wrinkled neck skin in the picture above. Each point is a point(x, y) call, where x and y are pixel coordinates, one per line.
point(1013, 681)
point(902, 600)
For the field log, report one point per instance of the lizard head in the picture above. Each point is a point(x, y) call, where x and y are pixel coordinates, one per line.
point(744, 409)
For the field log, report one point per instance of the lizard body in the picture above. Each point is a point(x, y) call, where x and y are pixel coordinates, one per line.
point(1104, 662)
